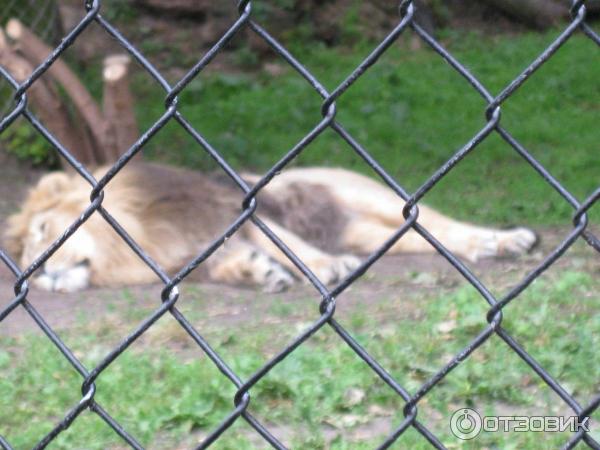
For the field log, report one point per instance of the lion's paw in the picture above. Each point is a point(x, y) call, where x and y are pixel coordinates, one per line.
point(516, 241)
point(277, 279)
point(335, 268)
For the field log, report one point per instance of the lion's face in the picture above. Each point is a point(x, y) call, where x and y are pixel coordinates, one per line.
point(51, 207)
point(68, 269)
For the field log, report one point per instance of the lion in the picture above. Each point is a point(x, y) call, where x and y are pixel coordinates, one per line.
point(328, 217)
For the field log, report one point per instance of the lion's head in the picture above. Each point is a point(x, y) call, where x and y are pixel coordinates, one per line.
point(95, 254)
point(50, 208)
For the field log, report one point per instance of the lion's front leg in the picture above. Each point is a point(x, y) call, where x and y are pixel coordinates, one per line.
point(327, 268)
point(240, 262)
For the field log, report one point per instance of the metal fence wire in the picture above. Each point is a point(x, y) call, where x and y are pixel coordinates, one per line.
point(327, 308)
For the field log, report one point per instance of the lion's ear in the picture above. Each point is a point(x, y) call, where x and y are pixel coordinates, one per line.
point(54, 183)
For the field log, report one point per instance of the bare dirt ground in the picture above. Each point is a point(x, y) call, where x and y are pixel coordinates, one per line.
point(403, 277)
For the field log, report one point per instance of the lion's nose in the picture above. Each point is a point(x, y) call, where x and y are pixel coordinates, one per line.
point(56, 271)
point(57, 277)
point(46, 278)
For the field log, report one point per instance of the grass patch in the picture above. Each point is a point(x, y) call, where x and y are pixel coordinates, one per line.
point(322, 393)
point(411, 111)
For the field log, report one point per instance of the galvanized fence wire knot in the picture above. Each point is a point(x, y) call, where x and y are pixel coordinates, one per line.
point(327, 307)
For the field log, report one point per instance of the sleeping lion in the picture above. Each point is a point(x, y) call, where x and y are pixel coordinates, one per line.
point(326, 216)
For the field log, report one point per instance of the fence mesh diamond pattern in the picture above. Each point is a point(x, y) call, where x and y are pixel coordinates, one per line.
point(325, 316)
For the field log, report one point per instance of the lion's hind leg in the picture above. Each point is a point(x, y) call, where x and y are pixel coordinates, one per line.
point(240, 262)
point(376, 213)
point(514, 241)
point(366, 235)
point(475, 242)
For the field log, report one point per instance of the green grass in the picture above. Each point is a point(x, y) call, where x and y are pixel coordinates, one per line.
point(412, 112)
point(166, 396)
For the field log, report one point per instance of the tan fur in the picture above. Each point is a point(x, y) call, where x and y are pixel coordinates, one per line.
point(174, 214)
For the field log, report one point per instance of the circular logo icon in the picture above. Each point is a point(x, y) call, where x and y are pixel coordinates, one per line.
point(465, 424)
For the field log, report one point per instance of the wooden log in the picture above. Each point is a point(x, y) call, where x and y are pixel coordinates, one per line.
point(118, 104)
point(45, 101)
point(36, 52)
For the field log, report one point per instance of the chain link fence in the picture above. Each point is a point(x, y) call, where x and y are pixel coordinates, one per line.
point(40, 15)
point(327, 308)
